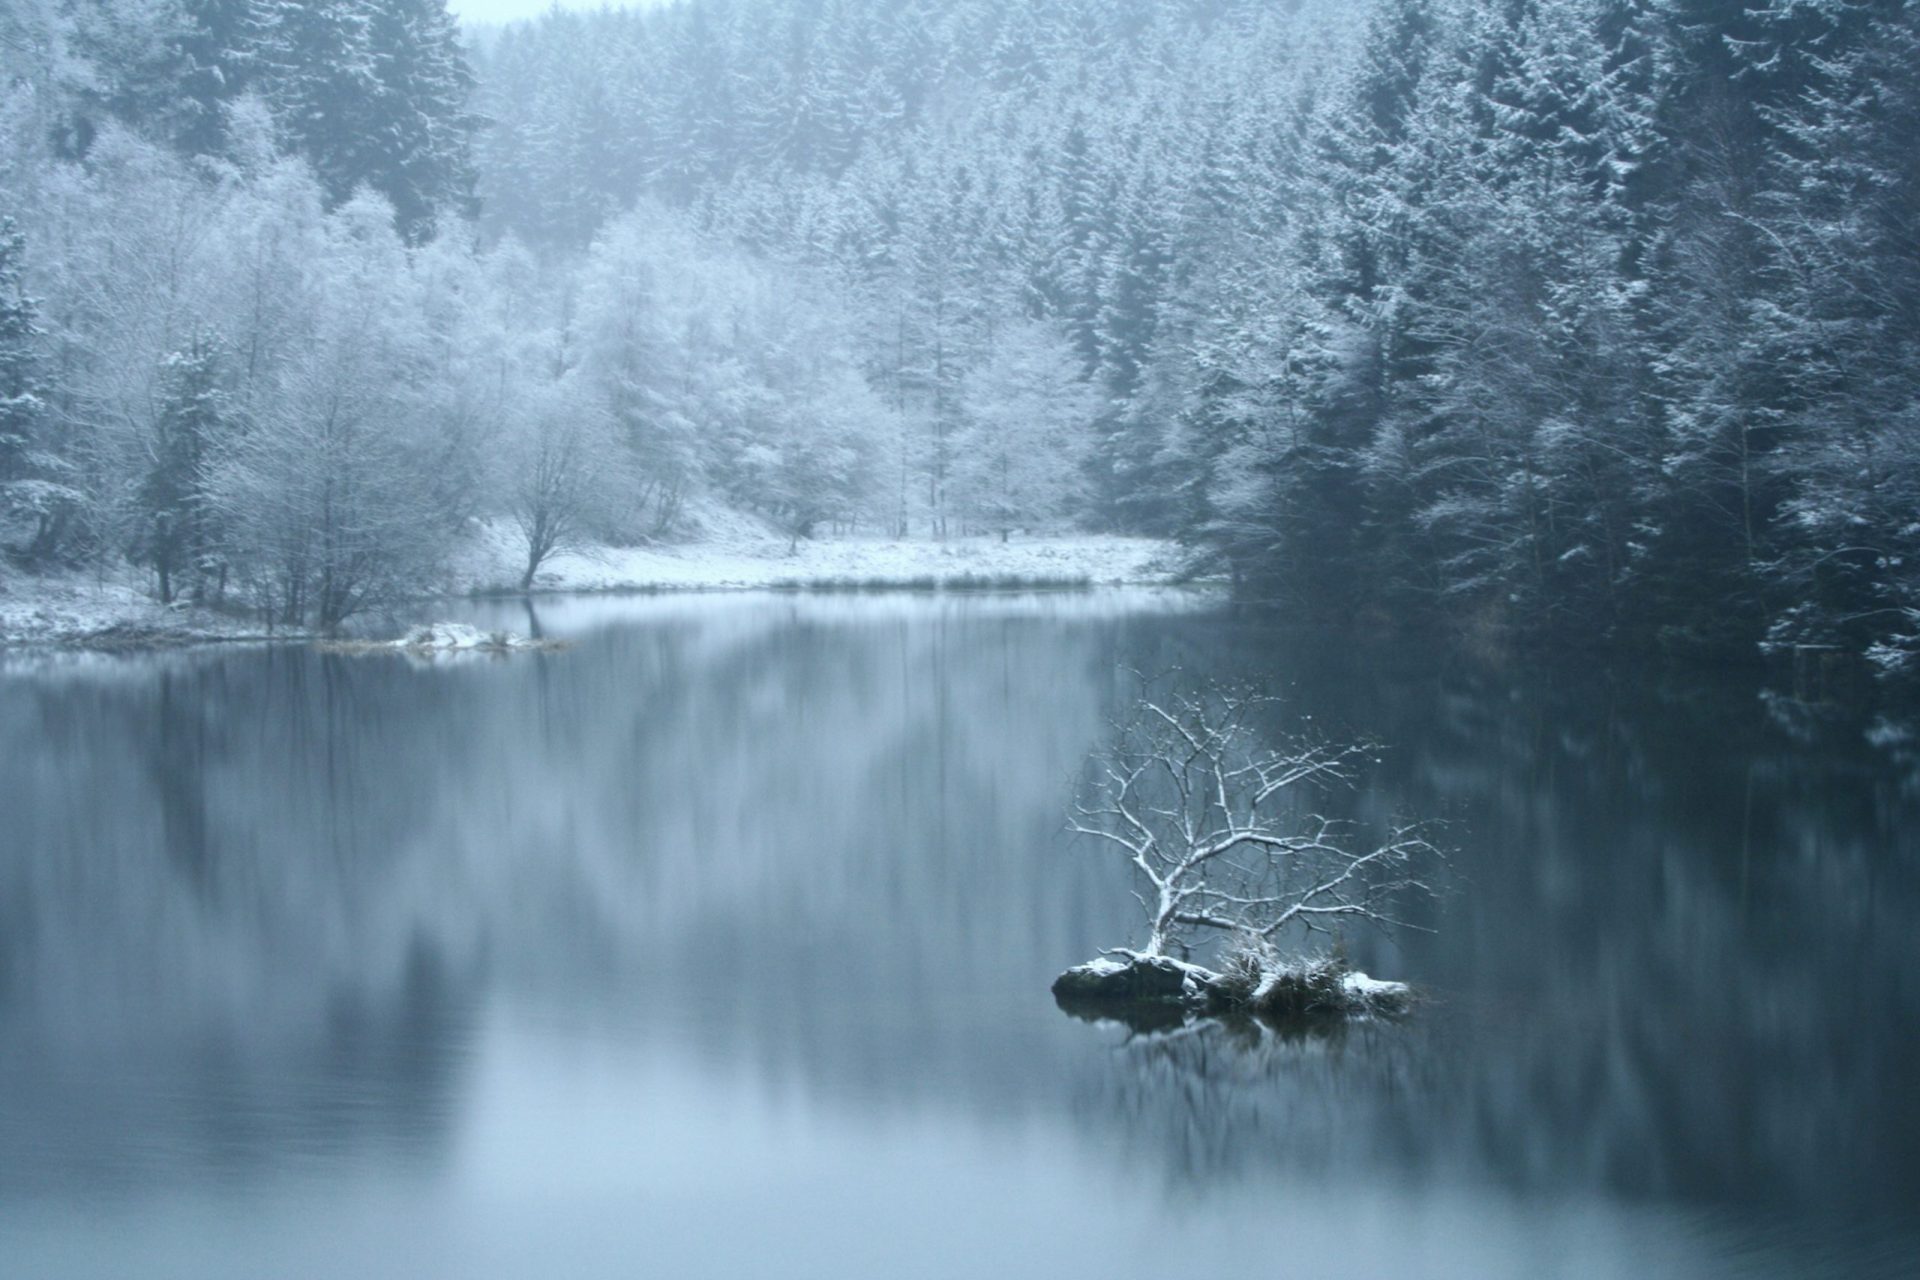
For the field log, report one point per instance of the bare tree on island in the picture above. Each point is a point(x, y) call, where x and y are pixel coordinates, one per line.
point(1211, 820)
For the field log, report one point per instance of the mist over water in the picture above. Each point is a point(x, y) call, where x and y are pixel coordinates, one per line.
point(720, 943)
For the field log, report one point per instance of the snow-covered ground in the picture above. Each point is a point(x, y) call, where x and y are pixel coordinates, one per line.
point(104, 612)
point(744, 558)
point(109, 611)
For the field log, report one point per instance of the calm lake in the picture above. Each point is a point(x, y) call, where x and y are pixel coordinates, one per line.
point(719, 945)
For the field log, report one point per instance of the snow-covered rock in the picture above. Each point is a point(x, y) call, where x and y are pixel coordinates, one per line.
point(1135, 979)
point(1143, 989)
point(458, 635)
point(1375, 991)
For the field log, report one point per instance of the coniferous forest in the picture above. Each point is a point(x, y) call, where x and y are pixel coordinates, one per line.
point(1576, 321)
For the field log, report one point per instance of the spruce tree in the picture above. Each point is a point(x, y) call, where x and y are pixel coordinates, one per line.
point(37, 504)
point(1843, 318)
point(420, 155)
point(374, 93)
point(216, 53)
point(319, 77)
point(175, 525)
point(22, 394)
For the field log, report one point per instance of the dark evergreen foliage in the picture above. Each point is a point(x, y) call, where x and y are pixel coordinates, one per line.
point(37, 505)
point(372, 93)
point(21, 391)
point(177, 530)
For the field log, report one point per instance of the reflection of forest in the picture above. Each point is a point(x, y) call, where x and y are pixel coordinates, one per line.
point(823, 837)
point(1680, 963)
point(790, 818)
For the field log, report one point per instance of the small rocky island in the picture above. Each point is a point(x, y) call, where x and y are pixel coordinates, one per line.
point(1146, 990)
point(1207, 816)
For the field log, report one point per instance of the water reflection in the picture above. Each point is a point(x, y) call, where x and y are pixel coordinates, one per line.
point(764, 891)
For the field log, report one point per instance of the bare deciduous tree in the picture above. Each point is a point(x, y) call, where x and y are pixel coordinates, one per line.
point(1215, 826)
point(564, 466)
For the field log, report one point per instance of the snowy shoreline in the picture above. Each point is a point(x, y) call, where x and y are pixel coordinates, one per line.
point(93, 611)
point(745, 559)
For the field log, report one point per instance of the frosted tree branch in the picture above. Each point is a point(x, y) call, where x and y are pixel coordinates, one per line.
point(1210, 818)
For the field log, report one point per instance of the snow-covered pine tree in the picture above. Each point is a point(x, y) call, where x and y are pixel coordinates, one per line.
point(36, 502)
point(1134, 264)
point(1524, 479)
point(374, 93)
point(1727, 67)
point(1353, 244)
point(22, 391)
point(420, 119)
point(319, 77)
point(1843, 319)
point(217, 53)
point(176, 528)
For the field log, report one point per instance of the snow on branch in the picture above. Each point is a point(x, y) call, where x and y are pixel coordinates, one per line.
point(1217, 827)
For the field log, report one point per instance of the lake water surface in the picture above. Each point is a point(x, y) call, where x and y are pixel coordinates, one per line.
point(718, 944)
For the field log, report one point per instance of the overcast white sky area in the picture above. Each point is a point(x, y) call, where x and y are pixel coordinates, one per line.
point(479, 11)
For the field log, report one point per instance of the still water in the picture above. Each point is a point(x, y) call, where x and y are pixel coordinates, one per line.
point(718, 945)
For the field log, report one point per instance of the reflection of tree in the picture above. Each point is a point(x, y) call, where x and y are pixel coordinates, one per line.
point(177, 751)
point(1680, 966)
point(1217, 1098)
point(371, 1078)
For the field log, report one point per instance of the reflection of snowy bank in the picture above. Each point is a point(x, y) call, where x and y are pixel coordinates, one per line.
point(755, 613)
point(444, 640)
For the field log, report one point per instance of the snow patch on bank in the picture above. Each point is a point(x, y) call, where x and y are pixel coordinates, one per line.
point(105, 612)
point(116, 610)
point(742, 559)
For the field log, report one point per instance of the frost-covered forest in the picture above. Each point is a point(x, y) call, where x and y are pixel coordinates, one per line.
point(1562, 318)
